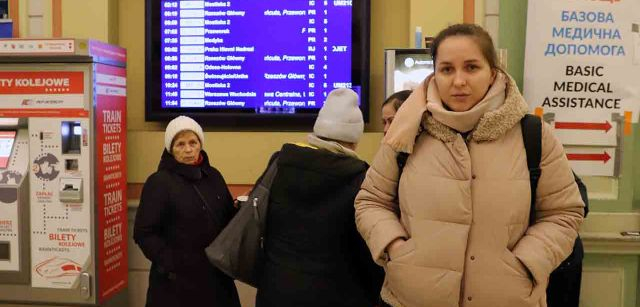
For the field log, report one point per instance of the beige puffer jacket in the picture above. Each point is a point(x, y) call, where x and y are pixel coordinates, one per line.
point(464, 211)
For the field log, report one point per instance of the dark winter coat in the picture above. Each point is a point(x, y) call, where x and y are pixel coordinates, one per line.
point(315, 256)
point(173, 226)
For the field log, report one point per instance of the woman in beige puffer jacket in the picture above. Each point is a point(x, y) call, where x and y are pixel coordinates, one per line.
point(454, 229)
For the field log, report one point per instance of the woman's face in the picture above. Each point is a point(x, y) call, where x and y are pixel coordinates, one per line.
point(463, 74)
point(186, 147)
point(388, 112)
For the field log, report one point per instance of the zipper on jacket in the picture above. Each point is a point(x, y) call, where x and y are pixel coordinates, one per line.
point(256, 214)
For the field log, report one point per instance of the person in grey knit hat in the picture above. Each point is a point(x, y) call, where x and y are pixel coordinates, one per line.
point(340, 118)
point(315, 256)
point(183, 207)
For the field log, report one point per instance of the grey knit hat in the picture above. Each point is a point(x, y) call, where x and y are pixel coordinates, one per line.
point(340, 117)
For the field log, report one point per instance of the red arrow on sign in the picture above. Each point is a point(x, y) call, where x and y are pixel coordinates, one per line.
point(605, 157)
point(606, 126)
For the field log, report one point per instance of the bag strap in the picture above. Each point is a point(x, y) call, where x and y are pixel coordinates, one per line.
point(267, 178)
point(532, 137)
point(401, 159)
point(206, 206)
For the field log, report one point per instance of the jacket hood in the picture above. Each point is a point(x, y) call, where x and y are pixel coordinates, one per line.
point(328, 170)
point(413, 117)
point(320, 160)
point(190, 172)
point(331, 146)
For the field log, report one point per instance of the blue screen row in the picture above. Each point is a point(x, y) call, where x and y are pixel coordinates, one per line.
point(269, 56)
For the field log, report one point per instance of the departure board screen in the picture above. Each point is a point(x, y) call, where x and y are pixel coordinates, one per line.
point(255, 57)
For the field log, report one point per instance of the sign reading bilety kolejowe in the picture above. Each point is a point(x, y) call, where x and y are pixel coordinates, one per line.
point(582, 70)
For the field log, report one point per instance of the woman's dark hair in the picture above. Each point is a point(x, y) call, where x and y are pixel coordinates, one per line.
point(477, 33)
point(397, 98)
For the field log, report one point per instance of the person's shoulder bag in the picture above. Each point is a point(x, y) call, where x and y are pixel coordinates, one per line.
point(238, 250)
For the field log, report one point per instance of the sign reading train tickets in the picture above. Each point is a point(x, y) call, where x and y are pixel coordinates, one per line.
point(111, 179)
point(581, 66)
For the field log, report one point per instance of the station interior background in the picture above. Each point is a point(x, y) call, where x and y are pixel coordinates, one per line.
point(612, 262)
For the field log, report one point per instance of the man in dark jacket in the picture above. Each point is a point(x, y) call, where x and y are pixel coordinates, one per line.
point(183, 207)
point(315, 256)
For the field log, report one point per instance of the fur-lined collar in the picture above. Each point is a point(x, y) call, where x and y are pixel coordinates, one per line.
point(491, 126)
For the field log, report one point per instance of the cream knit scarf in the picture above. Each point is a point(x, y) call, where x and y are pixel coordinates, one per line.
point(425, 101)
point(467, 120)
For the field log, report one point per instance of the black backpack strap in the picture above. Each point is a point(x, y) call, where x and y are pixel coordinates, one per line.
point(401, 159)
point(583, 193)
point(532, 137)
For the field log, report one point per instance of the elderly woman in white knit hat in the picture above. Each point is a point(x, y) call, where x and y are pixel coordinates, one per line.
point(315, 256)
point(183, 207)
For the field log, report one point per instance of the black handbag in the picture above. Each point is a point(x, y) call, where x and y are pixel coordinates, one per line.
point(238, 249)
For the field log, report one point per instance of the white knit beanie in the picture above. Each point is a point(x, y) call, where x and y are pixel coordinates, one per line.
point(340, 118)
point(179, 124)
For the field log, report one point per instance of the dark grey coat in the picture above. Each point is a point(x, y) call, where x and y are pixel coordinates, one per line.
point(315, 256)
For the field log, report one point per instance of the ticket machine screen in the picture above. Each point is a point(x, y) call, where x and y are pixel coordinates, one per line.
point(7, 139)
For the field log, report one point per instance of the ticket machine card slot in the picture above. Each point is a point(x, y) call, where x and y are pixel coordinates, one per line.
point(71, 165)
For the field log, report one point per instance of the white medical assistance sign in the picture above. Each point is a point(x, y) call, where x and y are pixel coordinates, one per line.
point(582, 73)
point(582, 60)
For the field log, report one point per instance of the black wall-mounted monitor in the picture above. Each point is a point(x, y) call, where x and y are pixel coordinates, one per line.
point(254, 63)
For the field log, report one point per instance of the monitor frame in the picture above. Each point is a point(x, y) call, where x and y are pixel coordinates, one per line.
point(232, 120)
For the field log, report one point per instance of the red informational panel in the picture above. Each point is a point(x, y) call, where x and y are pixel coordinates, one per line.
point(111, 179)
point(41, 82)
point(108, 53)
point(42, 94)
